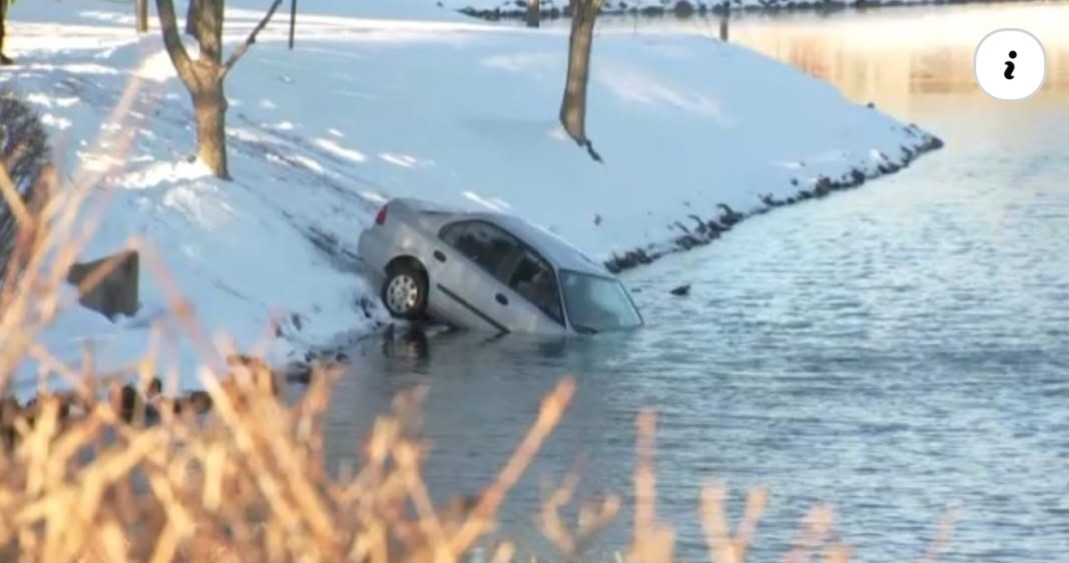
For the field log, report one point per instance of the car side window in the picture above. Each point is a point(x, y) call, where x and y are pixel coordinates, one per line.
point(534, 280)
point(488, 246)
point(450, 233)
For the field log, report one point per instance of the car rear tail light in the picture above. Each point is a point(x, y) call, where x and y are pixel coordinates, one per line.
point(380, 218)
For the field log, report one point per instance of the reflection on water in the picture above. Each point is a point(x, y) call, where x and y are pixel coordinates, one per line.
point(893, 350)
point(885, 54)
point(910, 51)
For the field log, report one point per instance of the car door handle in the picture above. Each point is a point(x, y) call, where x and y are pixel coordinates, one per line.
point(502, 299)
point(439, 255)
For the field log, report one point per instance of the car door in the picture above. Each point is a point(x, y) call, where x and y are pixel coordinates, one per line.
point(532, 286)
point(472, 257)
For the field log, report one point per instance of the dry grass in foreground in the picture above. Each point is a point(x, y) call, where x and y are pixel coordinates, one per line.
point(83, 478)
point(247, 483)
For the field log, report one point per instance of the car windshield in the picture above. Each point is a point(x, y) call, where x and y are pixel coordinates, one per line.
point(597, 304)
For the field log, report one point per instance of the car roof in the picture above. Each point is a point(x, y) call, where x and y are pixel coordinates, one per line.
point(561, 253)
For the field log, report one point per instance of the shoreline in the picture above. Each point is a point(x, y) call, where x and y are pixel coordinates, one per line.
point(704, 233)
point(707, 230)
point(689, 9)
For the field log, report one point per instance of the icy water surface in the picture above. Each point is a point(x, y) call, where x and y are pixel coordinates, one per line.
point(894, 351)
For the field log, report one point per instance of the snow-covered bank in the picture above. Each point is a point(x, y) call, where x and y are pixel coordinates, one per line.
point(455, 111)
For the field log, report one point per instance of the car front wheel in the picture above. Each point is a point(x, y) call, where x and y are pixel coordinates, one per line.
point(405, 291)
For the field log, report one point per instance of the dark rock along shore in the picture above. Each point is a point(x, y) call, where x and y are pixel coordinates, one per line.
point(704, 230)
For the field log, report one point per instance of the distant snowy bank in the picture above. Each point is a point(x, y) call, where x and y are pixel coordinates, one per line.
point(460, 112)
point(553, 9)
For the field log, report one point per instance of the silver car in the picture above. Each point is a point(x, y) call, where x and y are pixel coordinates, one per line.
point(489, 271)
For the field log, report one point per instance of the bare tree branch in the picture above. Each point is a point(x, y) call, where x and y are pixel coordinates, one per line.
point(192, 9)
point(209, 24)
point(584, 14)
point(173, 42)
point(244, 47)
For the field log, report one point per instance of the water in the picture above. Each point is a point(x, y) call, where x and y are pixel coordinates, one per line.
point(894, 351)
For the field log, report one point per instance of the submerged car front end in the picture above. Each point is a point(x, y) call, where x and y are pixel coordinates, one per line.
point(597, 303)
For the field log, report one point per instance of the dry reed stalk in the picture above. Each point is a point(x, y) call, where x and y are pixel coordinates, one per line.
point(549, 415)
point(572, 539)
point(942, 536)
point(725, 547)
point(812, 535)
point(652, 541)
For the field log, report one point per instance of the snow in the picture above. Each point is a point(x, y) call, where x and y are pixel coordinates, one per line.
point(420, 102)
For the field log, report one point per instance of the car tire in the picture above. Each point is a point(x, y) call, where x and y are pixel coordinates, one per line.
point(405, 291)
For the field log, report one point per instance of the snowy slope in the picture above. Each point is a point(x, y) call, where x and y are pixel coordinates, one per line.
point(367, 109)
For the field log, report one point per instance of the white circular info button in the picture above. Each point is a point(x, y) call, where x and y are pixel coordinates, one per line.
point(1010, 64)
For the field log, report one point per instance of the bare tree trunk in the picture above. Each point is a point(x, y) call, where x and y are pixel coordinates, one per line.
point(209, 102)
point(573, 106)
point(533, 13)
point(141, 10)
point(293, 21)
point(4, 60)
point(204, 77)
point(191, 18)
point(210, 107)
point(724, 21)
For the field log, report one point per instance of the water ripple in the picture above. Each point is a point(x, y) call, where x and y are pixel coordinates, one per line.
point(894, 350)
